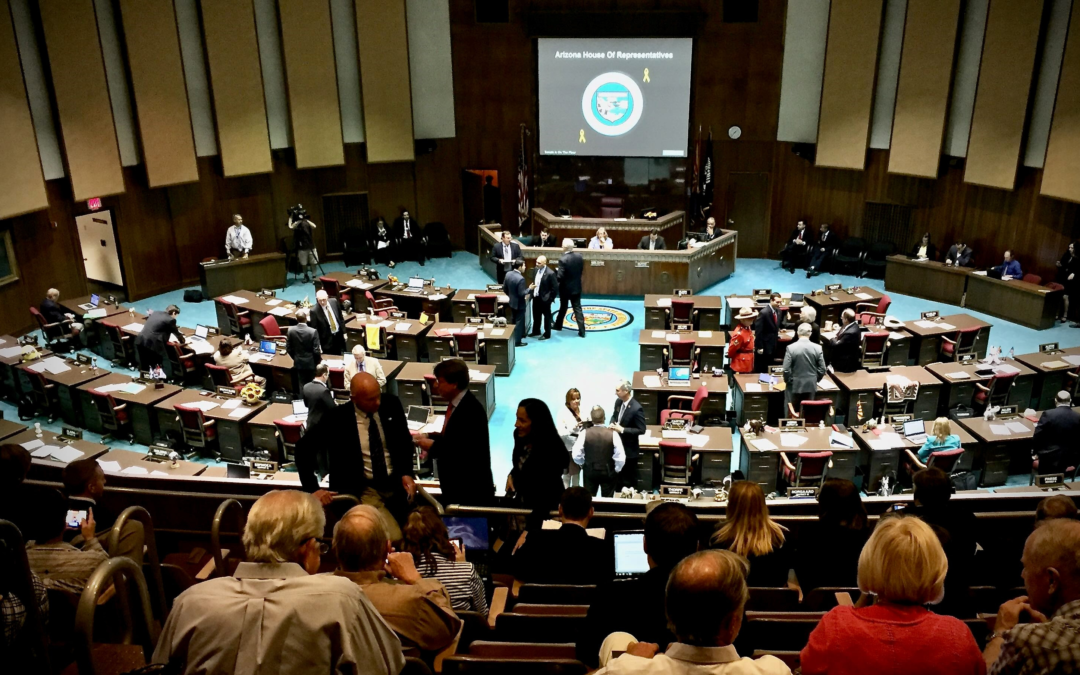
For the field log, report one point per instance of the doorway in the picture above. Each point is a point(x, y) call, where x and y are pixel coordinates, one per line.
point(748, 206)
point(481, 200)
point(97, 238)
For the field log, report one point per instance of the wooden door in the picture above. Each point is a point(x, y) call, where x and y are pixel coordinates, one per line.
point(748, 205)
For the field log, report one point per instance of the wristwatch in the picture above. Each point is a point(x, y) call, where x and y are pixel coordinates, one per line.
point(995, 635)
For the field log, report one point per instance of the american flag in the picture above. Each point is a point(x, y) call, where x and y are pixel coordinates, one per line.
point(523, 185)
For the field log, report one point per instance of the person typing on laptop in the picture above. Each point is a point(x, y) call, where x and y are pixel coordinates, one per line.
point(941, 438)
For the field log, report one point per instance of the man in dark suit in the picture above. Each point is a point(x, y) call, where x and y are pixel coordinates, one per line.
point(155, 333)
point(628, 420)
point(846, 346)
point(517, 289)
point(545, 288)
point(410, 238)
point(545, 239)
point(766, 334)
point(317, 397)
point(571, 267)
point(503, 255)
point(568, 555)
point(369, 452)
point(797, 247)
point(1054, 442)
point(462, 449)
point(821, 251)
point(304, 347)
point(327, 319)
point(54, 313)
point(652, 241)
point(959, 254)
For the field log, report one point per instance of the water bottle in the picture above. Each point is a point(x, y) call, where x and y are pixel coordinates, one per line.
point(1012, 354)
point(37, 429)
point(93, 362)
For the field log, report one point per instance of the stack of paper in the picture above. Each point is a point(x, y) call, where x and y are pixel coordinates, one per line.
point(97, 313)
point(1000, 429)
point(763, 444)
point(892, 438)
point(402, 326)
point(201, 347)
point(280, 311)
point(1073, 359)
point(827, 384)
point(108, 466)
point(274, 303)
point(658, 333)
point(158, 472)
point(752, 388)
point(792, 439)
point(293, 419)
point(478, 376)
point(863, 296)
point(1044, 364)
point(945, 326)
point(652, 381)
point(705, 333)
point(202, 405)
point(135, 470)
point(672, 337)
point(61, 453)
point(926, 324)
point(441, 296)
point(239, 412)
point(1006, 369)
point(958, 375)
point(231, 404)
point(697, 440)
point(739, 302)
point(878, 444)
point(109, 388)
point(134, 327)
point(53, 364)
point(663, 302)
point(498, 332)
point(235, 299)
point(504, 298)
point(1017, 427)
point(10, 352)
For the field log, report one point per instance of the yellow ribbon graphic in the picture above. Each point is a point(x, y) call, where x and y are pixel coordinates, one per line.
point(581, 136)
point(646, 75)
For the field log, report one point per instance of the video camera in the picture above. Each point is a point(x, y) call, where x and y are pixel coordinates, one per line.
point(297, 212)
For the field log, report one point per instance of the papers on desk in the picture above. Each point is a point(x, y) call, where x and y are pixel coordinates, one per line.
point(958, 375)
point(293, 419)
point(793, 439)
point(752, 387)
point(1000, 429)
point(280, 311)
point(705, 333)
point(1006, 369)
point(763, 444)
point(649, 441)
point(827, 385)
point(981, 273)
point(235, 299)
point(202, 405)
point(30, 445)
point(502, 298)
point(61, 453)
point(441, 296)
point(864, 296)
point(478, 376)
point(402, 327)
point(652, 381)
point(1074, 360)
point(274, 303)
point(892, 438)
point(697, 440)
point(10, 352)
point(843, 440)
point(672, 337)
point(663, 302)
point(53, 364)
point(158, 472)
point(108, 466)
point(131, 388)
point(434, 426)
point(134, 327)
point(1017, 427)
point(356, 283)
point(926, 324)
point(239, 412)
point(384, 324)
point(96, 313)
point(658, 333)
point(878, 444)
point(201, 347)
point(1044, 364)
point(945, 326)
point(498, 332)
point(231, 404)
point(135, 470)
point(740, 302)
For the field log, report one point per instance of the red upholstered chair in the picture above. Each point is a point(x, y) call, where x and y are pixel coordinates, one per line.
point(199, 433)
point(813, 412)
point(221, 377)
point(682, 353)
point(468, 345)
point(869, 313)
point(1033, 279)
point(1070, 471)
point(270, 328)
point(239, 321)
point(182, 363)
point(962, 342)
point(486, 304)
point(611, 207)
point(114, 418)
point(123, 346)
point(676, 460)
point(44, 394)
point(381, 307)
point(682, 312)
point(52, 332)
point(946, 460)
point(331, 286)
point(669, 414)
point(994, 392)
point(695, 402)
point(338, 386)
point(289, 433)
point(809, 467)
point(874, 348)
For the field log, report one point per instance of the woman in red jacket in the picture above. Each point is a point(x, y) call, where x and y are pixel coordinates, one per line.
point(740, 350)
point(904, 566)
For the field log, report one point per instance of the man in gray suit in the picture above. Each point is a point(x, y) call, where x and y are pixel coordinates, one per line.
point(303, 346)
point(804, 366)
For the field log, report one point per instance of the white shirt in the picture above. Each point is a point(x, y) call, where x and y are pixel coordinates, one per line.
point(363, 426)
point(606, 244)
point(238, 238)
point(619, 455)
point(506, 253)
point(652, 244)
point(683, 659)
point(539, 275)
point(565, 421)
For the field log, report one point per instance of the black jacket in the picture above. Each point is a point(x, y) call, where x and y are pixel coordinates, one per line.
point(766, 329)
point(337, 436)
point(463, 451)
point(567, 555)
point(537, 477)
point(961, 259)
point(303, 346)
point(497, 252)
point(548, 288)
point(551, 241)
point(156, 332)
point(807, 236)
point(516, 288)
point(399, 228)
point(847, 348)
point(633, 423)
point(634, 606)
point(827, 556)
point(52, 311)
point(571, 267)
point(644, 243)
point(931, 250)
point(321, 323)
point(1055, 437)
point(318, 400)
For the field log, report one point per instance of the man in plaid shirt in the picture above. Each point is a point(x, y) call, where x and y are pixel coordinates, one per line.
point(1050, 643)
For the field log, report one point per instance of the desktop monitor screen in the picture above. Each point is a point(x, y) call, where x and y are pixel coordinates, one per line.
point(914, 428)
point(95, 299)
point(473, 532)
point(268, 347)
point(416, 282)
point(630, 556)
point(679, 374)
point(201, 331)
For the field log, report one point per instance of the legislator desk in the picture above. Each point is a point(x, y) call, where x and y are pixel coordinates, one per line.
point(926, 336)
point(959, 379)
point(1017, 301)
point(928, 279)
point(760, 459)
point(897, 354)
point(63, 451)
point(67, 382)
point(257, 307)
point(1054, 372)
point(860, 387)
point(623, 232)
point(498, 350)
point(405, 337)
point(709, 310)
point(652, 392)
point(755, 400)
point(1001, 454)
point(411, 387)
point(464, 305)
point(201, 349)
point(89, 318)
point(131, 463)
point(631, 271)
point(653, 343)
point(140, 404)
point(712, 450)
point(733, 303)
point(232, 432)
point(883, 451)
point(356, 287)
point(264, 435)
point(9, 376)
point(831, 306)
point(9, 429)
point(253, 273)
point(430, 300)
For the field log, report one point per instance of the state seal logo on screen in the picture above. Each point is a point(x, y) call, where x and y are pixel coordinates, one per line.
point(612, 104)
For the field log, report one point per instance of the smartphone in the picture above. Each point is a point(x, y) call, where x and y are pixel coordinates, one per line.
point(75, 518)
point(458, 544)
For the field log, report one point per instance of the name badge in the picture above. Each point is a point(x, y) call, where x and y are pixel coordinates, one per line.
point(680, 292)
point(833, 288)
point(1048, 347)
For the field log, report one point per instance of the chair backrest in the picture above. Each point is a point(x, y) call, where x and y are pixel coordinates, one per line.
point(1000, 385)
point(112, 330)
point(487, 304)
point(337, 379)
point(675, 414)
point(874, 346)
point(880, 250)
point(812, 466)
point(106, 408)
point(787, 631)
point(331, 286)
point(675, 459)
point(465, 342)
point(1033, 279)
point(815, 411)
point(561, 594)
point(682, 311)
point(682, 352)
point(175, 354)
point(767, 599)
point(946, 460)
point(514, 627)
point(270, 326)
point(39, 317)
point(215, 533)
point(119, 571)
point(38, 383)
point(192, 423)
point(219, 375)
point(522, 650)
point(433, 398)
point(542, 609)
point(883, 304)
point(853, 246)
point(230, 310)
point(966, 339)
point(700, 396)
point(290, 434)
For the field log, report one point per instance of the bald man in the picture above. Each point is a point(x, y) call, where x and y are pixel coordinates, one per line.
point(367, 451)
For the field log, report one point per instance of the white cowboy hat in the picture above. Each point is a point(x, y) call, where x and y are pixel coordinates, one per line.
point(746, 313)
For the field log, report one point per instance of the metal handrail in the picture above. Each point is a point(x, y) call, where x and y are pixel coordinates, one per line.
point(215, 533)
point(426, 496)
point(121, 571)
point(141, 515)
point(22, 587)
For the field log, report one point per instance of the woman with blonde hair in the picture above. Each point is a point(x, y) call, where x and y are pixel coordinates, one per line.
point(940, 438)
point(749, 531)
point(903, 566)
point(601, 241)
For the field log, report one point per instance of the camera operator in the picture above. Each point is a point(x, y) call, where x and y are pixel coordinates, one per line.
point(304, 237)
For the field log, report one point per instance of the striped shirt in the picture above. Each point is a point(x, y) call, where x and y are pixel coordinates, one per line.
point(461, 580)
point(62, 566)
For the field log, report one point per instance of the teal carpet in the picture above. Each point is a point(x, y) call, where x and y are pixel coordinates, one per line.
point(596, 363)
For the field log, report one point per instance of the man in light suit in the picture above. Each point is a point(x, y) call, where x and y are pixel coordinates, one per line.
point(628, 420)
point(546, 289)
point(303, 346)
point(517, 289)
point(503, 255)
point(362, 363)
point(847, 344)
point(317, 396)
point(652, 241)
point(804, 366)
point(571, 267)
point(959, 254)
point(326, 317)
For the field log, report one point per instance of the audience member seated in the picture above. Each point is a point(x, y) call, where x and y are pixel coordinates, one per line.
point(1037, 634)
point(426, 538)
point(828, 551)
point(236, 360)
point(15, 494)
point(276, 611)
point(636, 605)
point(84, 484)
point(54, 313)
point(749, 531)
point(60, 565)
point(924, 249)
point(568, 555)
point(904, 567)
point(417, 609)
point(362, 363)
point(13, 615)
point(1054, 441)
point(1055, 506)
point(704, 604)
point(954, 524)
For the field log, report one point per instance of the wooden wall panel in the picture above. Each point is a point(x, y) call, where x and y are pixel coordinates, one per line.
point(1008, 64)
point(847, 89)
point(157, 76)
point(308, 43)
point(1061, 172)
point(22, 185)
point(236, 81)
point(384, 80)
point(82, 97)
point(922, 94)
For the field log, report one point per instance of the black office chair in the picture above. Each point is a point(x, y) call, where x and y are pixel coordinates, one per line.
point(438, 241)
point(850, 256)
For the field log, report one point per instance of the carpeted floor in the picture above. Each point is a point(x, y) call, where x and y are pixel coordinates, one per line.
point(596, 363)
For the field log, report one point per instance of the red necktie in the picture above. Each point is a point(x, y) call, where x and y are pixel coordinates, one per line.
point(446, 418)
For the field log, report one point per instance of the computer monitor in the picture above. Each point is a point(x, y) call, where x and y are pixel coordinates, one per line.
point(238, 471)
point(416, 282)
point(95, 299)
point(298, 407)
point(914, 428)
point(630, 557)
point(678, 374)
point(268, 347)
point(202, 331)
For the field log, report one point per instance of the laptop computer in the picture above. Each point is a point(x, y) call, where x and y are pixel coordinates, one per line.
point(679, 376)
point(419, 416)
point(416, 283)
point(796, 297)
point(915, 431)
point(238, 471)
point(630, 557)
point(299, 409)
point(94, 300)
point(201, 332)
point(268, 347)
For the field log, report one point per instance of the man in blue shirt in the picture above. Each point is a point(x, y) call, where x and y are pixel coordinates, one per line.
point(1009, 269)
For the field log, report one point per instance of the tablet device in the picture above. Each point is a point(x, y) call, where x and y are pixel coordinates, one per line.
point(630, 557)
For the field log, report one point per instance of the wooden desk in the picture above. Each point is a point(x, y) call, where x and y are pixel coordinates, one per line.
point(1001, 455)
point(283, 311)
point(709, 308)
point(1017, 301)
point(410, 387)
point(733, 303)
point(463, 305)
point(499, 348)
point(763, 466)
point(408, 335)
point(154, 469)
point(66, 383)
point(655, 399)
point(829, 309)
point(652, 343)
point(929, 279)
point(623, 232)
point(232, 432)
point(957, 390)
point(93, 332)
point(9, 376)
point(862, 385)
point(1049, 379)
point(356, 287)
point(713, 466)
point(89, 449)
point(926, 340)
point(9, 428)
point(430, 300)
point(264, 433)
point(253, 273)
point(883, 454)
point(899, 348)
point(139, 406)
point(754, 400)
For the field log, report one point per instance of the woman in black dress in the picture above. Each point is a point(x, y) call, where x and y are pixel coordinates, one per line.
point(1069, 277)
point(539, 460)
